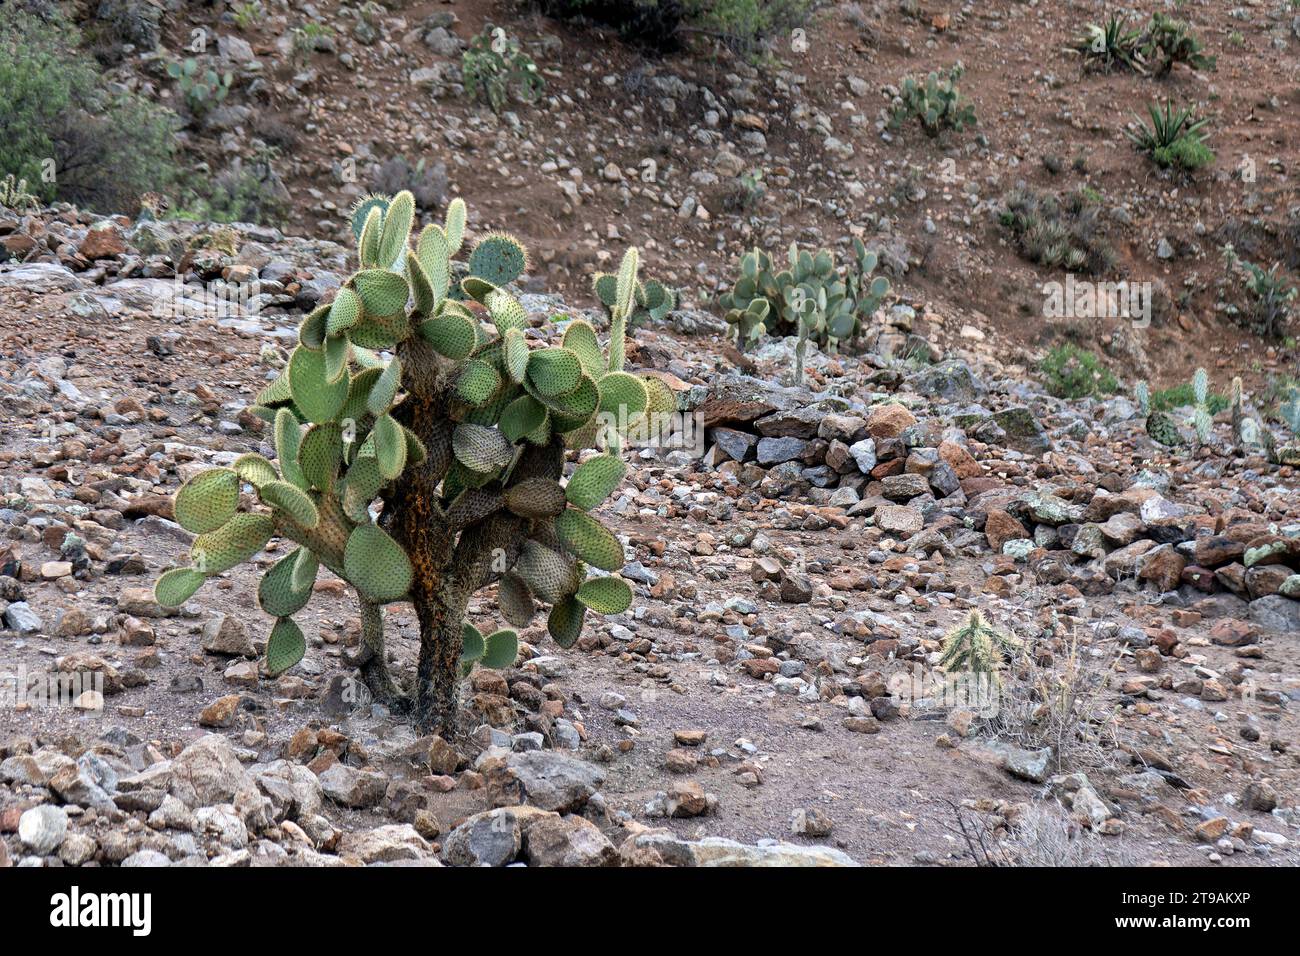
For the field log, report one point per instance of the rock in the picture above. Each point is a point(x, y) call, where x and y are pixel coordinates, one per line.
point(294, 791)
point(774, 451)
point(227, 635)
point(1276, 613)
point(1029, 765)
point(1023, 432)
point(738, 445)
point(351, 787)
point(904, 487)
point(385, 844)
point(889, 421)
point(864, 454)
point(545, 779)
point(20, 617)
point(1000, 527)
point(811, 822)
point(567, 841)
point(208, 772)
point(443, 757)
point(670, 850)
point(491, 838)
point(949, 381)
point(41, 829)
point(687, 798)
point(899, 519)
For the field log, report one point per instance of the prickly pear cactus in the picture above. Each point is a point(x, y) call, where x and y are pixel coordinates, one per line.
point(420, 453)
point(653, 299)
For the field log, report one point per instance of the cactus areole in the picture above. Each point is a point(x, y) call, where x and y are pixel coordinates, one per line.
point(421, 441)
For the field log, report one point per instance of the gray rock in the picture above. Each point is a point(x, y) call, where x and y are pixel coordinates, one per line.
point(864, 454)
point(386, 844)
point(546, 779)
point(351, 787)
point(950, 381)
point(208, 772)
point(775, 451)
point(717, 851)
point(20, 617)
point(1276, 613)
point(491, 838)
point(41, 829)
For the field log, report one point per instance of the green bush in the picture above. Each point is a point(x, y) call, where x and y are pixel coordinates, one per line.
point(747, 25)
point(106, 148)
point(1184, 395)
point(1072, 372)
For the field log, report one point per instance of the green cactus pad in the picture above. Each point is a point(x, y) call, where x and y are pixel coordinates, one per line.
point(565, 621)
point(355, 408)
point(472, 645)
point(605, 286)
point(585, 537)
point(498, 258)
point(572, 411)
point(293, 501)
point(481, 449)
point(521, 417)
point(304, 570)
point(320, 454)
point(660, 398)
point(514, 349)
point(376, 564)
point(361, 213)
point(605, 595)
point(595, 480)
point(277, 393)
point(451, 335)
point(548, 573)
point(382, 293)
point(397, 228)
point(208, 500)
point(580, 339)
point(177, 586)
point(515, 600)
point(500, 648)
point(478, 382)
point(380, 332)
point(416, 452)
point(472, 505)
point(390, 447)
point(624, 396)
point(434, 254)
point(285, 647)
point(318, 398)
point(236, 541)
point(506, 311)
point(345, 312)
point(278, 594)
point(337, 350)
point(423, 300)
point(384, 391)
point(454, 225)
point(362, 484)
point(368, 242)
point(254, 469)
point(288, 439)
point(535, 498)
point(313, 329)
point(554, 371)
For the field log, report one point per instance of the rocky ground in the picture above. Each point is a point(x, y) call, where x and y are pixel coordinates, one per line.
point(769, 697)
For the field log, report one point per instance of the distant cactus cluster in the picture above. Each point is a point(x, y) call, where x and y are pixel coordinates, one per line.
point(398, 403)
point(811, 298)
point(14, 195)
point(494, 66)
point(935, 101)
point(976, 647)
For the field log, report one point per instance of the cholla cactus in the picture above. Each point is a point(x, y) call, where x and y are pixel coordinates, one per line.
point(14, 195)
point(1143, 395)
point(457, 442)
point(653, 299)
point(1202, 420)
point(977, 647)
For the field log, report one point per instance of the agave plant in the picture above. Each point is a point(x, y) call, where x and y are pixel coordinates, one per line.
point(1173, 137)
point(1109, 43)
point(420, 457)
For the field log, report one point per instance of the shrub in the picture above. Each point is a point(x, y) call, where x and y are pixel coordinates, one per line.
point(106, 148)
point(1184, 396)
point(1065, 232)
point(457, 441)
point(494, 67)
point(747, 26)
point(428, 184)
point(1072, 372)
point(651, 24)
point(243, 192)
point(1271, 294)
point(1167, 41)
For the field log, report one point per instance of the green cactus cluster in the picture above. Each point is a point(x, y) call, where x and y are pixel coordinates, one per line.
point(652, 300)
point(811, 298)
point(442, 417)
point(936, 101)
point(975, 646)
point(14, 195)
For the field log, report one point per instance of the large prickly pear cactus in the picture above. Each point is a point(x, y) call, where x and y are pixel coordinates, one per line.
point(421, 441)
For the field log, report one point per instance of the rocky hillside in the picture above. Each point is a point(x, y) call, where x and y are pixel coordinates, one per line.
point(773, 697)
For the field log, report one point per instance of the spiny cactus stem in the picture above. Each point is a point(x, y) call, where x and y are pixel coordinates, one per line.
point(330, 511)
point(617, 336)
point(374, 663)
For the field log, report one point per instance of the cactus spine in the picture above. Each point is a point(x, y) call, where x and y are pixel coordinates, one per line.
point(457, 442)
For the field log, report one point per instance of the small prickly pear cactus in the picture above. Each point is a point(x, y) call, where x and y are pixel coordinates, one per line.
point(400, 401)
point(1143, 395)
point(653, 300)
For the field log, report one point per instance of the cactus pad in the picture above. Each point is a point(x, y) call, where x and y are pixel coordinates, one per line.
point(515, 600)
point(345, 312)
point(234, 542)
point(177, 586)
point(605, 595)
point(548, 574)
point(500, 648)
point(514, 348)
point(472, 644)
point(565, 621)
point(208, 500)
point(522, 417)
point(293, 501)
point(451, 335)
point(580, 339)
point(278, 593)
point(584, 536)
point(390, 447)
point(382, 293)
point(554, 371)
point(376, 564)
point(481, 449)
point(285, 647)
point(594, 480)
point(317, 398)
point(254, 469)
point(320, 454)
point(477, 382)
point(535, 498)
point(498, 258)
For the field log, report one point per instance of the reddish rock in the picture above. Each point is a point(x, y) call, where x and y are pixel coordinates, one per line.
point(1163, 567)
point(1219, 549)
point(102, 241)
point(889, 421)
